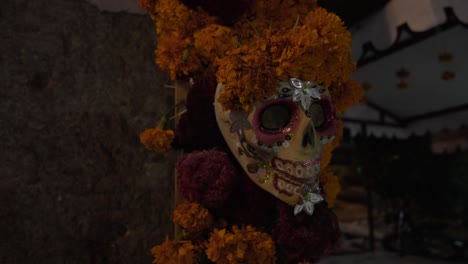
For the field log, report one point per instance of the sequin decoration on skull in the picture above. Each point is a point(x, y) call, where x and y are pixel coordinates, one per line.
point(280, 141)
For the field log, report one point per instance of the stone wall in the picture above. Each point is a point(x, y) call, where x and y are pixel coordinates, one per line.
point(77, 86)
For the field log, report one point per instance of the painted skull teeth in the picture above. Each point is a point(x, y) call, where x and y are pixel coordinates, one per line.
point(297, 171)
point(284, 185)
point(289, 176)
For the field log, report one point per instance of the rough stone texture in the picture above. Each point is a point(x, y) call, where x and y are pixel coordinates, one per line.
point(77, 86)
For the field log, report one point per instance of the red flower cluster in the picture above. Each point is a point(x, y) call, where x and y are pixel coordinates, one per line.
point(251, 205)
point(207, 177)
point(197, 128)
point(306, 238)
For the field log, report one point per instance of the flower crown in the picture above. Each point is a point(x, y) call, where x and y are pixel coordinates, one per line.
point(272, 40)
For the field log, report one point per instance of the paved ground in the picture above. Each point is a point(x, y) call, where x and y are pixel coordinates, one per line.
point(355, 244)
point(380, 257)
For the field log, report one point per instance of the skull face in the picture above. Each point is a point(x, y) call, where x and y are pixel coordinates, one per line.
point(279, 142)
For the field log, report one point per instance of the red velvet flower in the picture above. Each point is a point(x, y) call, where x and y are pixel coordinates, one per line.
point(251, 205)
point(207, 177)
point(306, 238)
point(197, 128)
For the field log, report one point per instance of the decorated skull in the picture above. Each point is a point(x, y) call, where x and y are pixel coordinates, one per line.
point(280, 141)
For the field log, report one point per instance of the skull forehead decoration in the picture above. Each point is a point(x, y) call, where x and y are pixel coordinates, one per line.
point(279, 142)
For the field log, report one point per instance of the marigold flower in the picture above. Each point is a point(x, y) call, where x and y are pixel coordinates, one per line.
point(192, 217)
point(213, 41)
point(228, 10)
point(175, 24)
point(328, 179)
point(331, 185)
point(175, 55)
point(147, 5)
point(174, 252)
point(346, 95)
point(247, 74)
point(157, 139)
point(279, 40)
point(317, 50)
point(267, 14)
point(175, 16)
point(243, 245)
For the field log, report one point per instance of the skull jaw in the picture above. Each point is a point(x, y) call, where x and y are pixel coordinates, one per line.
point(279, 182)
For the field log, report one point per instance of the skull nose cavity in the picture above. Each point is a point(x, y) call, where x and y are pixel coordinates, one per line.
point(309, 137)
point(305, 141)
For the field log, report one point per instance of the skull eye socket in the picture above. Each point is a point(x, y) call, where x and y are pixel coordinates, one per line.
point(317, 114)
point(275, 117)
point(322, 115)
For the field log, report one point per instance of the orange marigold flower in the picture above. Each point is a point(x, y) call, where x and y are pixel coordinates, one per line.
point(213, 41)
point(326, 157)
point(331, 185)
point(175, 16)
point(267, 14)
point(338, 136)
point(346, 95)
point(147, 5)
point(175, 24)
point(279, 39)
point(174, 252)
point(157, 139)
point(192, 217)
point(247, 74)
point(319, 50)
point(175, 55)
point(243, 245)
point(329, 181)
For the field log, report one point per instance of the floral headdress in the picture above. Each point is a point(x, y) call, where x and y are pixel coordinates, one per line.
point(248, 45)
